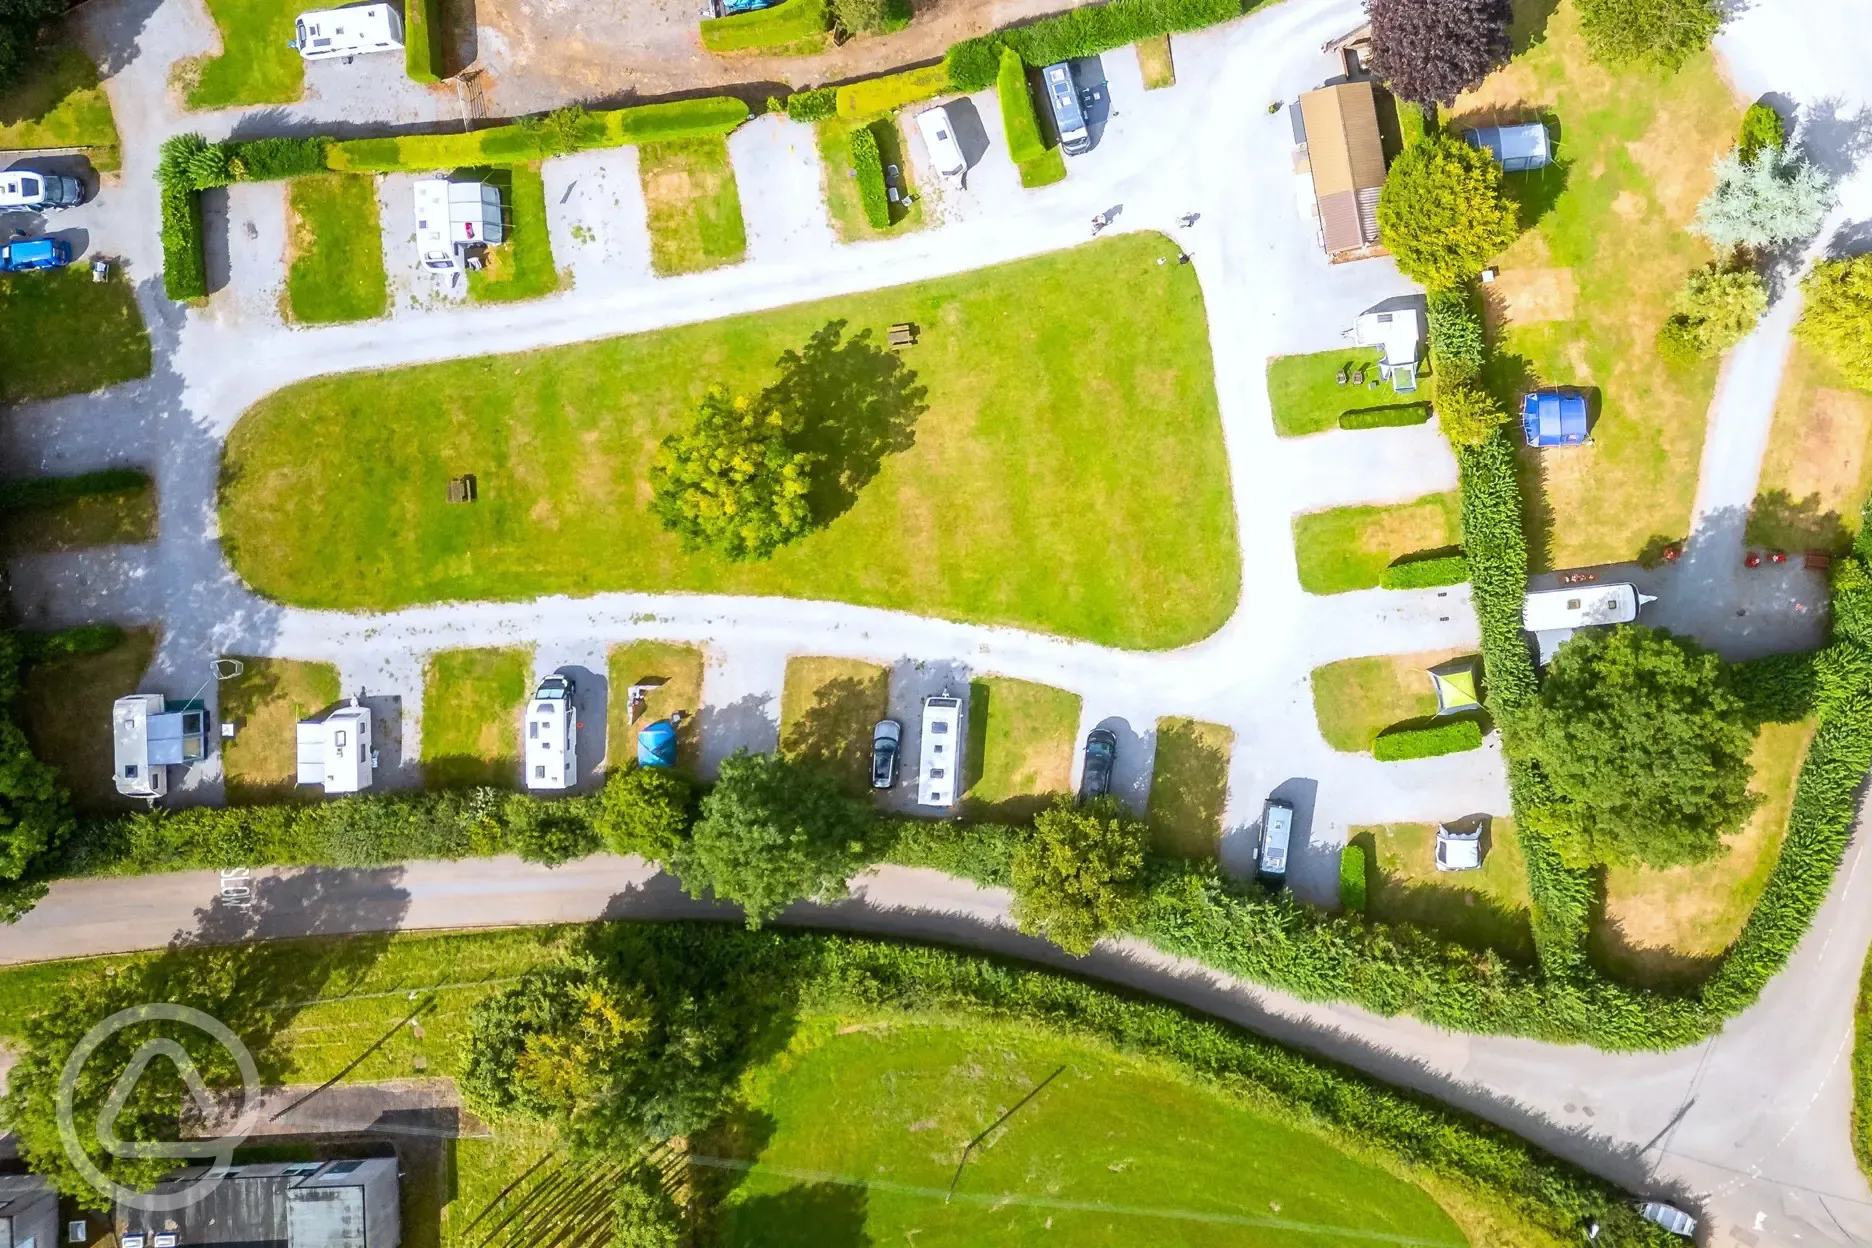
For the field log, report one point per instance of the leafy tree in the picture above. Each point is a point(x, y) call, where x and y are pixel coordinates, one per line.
point(21, 22)
point(731, 482)
point(1778, 197)
point(1656, 34)
point(1467, 414)
point(644, 810)
point(35, 809)
point(1431, 51)
point(1079, 875)
point(772, 831)
point(549, 834)
point(1444, 212)
point(1717, 308)
point(1761, 130)
point(1645, 745)
point(1837, 315)
point(644, 1214)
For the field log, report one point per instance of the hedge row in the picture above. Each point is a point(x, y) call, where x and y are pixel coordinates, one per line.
point(817, 104)
point(1352, 886)
point(1394, 415)
point(423, 54)
point(1431, 573)
point(877, 97)
point(868, 167)
point(188, 165)
point(1024, 140)
point(185, 264)
point(974, 64)
point(30, 493)
point(1403, 743)
point(557, 133)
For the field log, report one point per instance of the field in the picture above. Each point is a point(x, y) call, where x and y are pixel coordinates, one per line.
point(255, 65)
point(680, 668)
point(66, 711)
point(1582, 294)
point(521, 267)
point(1356, 699)
point(1000, 503)
point(1189, 787)
point(267, 700)
point(1348, 548)
point(1306, 394)
point(828, 708)
point(693, 205)
point(67, 334)
point(1155, 63)
point(336, 270)
point(76, 523)
point(1020, 747)
point(833, 137)
point(790, 28)
point(1816, 472)
point(1485, 909)
point(471, 716)
point(1668, 928)
point(57, 103)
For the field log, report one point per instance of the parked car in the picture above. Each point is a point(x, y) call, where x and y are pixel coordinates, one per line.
point(1458, 850)
point(886, 744)
point(1276, 834)
point(1670, 1217)
point(1101, 753)
point(34, 253)
point(1068, 114)
point(945, 153)
point(28, 190)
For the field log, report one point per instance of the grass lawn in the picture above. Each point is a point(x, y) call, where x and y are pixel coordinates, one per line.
point(337, 270)
point(1189, 786)
point(1113, 1139)
point(1347, 548)
point(267, 700)
point(1356, 699)
point(1009, 507)
point(1816, 473)
point(1307, 396)
point(255, 65)
point(828, 708)
point(66, 711)
point(122, 516)
point(1582, 294)
point(1668, 928)
point(790, 28)
point(833, 136)
point(57, 102)
point(471, 716)
point(680, 668)
point(1020, 749)
point(66, 334)
point(693, 205)
point(521, 267)
point(1484, 909)
point(1155, 63)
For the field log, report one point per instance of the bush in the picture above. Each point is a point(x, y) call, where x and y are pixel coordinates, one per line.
point(1444, 211)
point(1658, 34)
point(1677, 343)
point(185, 270)
point(876, 97)
point(1391, 416)
point(815, 105)
point(1496, 549)
point(265, 160)
point(644, 811)
point(29, 493)
point(1716, 308)
point(1078, 876)
point(868, 165)
point(1458, 340)
point(1352, 897)
point(1431, 573)
point(1024, 140)
point(1777, 688)
point(1837, 317)
point(1466, 413)
point(974, 64)
point(423, 53)
point(1761, 129)
point(1399, 744)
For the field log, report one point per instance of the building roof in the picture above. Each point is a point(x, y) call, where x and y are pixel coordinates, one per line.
point(1346, 157)
point(274, 1205)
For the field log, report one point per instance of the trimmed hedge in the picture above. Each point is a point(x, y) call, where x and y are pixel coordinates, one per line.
point(1024, 140)
point(875, 97)
point(1402, 743)
point(818, 104)
point(974, 64)
point(185, 266)
point(1394, 415)
point(1458, 339)
point(188, 165)
point(1432, 573)
point(1352, 890)
point(568, 130)
point(423, 54)
point(1778, 688)
point(868, 165)
point(266, 160)
point(29, 493)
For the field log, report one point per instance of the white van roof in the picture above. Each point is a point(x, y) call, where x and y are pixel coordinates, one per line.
point(939, 137)
point(1579, 606)
point(941, 763)
point(551, 747)
point(346, 32)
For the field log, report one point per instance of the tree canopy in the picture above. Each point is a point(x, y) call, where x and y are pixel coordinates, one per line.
point(731, 482)
point(1778, 197)
point(1836, 317)
point(1656, 34)
point(644, 810)
point(1078, 875)
point(1431, 51)
point(1444, 212)
point(1467, 414)
point(1718, 307)
point(35, 809)
point(1645, 745)
point(21, 22)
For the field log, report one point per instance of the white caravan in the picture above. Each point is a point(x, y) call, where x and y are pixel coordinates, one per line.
point(452, 217)
point(941, 765)
point(552, 736)
point(336, 752)
point(325, 33)
point(945, 152)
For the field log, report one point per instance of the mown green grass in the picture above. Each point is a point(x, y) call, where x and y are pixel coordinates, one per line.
point(1306, 393)
point(693, 205)
point(828, 709)
point(1485, 909)
point(833, 137)
point(337, 271)
point(267, 700)
point(66, 711)
point(867, 1126)
point(1020, 747)
point(57, 102)
point(1011, 506)
point(471, 716)
point(679, 667)
point(1347, 548)
point(255, 65)
point(1356, 699)
point(521, 267)
point(66, 334)
point(108, 519)
point(790, 28)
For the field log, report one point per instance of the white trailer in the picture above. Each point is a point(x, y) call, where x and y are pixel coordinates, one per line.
point(945, 153)
point(452, 217)
point(1548, 610)
point(335, 751)
point(326, 33)
point(941, 764)
point(552, 736)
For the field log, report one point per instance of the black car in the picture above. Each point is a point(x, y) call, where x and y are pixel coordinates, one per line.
point(1101, 751)
point(886, 739)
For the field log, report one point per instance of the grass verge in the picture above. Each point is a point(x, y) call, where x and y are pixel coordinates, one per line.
point(471, 716)
point(521, 267)
point(1356, 699)
point(1189, 786)
point(337, 267)
point(790, 28)
point(57, 102)
point(255, 66)
point(66, 334)
point(833, 138)
point(693, 205)
point(1484, 909)
point(80, 520)
point(828, 708)
point(1817, 470)
point(267, 700)
point(679, 667)
point(1307, 396)
point(1155, 64)
point(1348, 548)
point(1020, 749)
point(66, 711)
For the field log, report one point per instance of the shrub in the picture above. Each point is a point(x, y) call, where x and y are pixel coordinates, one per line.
point(264, 160)
point(1717, 308)
point(1677, 343)
point(1431, 573)
point(1444, 212)
point(1024, 140)
point(550, 835)
point(1466, 413)
point(974, 64)
point(1777, 688)
point(210, 166)
point(1837, 317)
point(1352, 878)
point(644, 811)
point(1431, 51)
point(1660, 34)
point(185, 271)
point(816, 104)
point(868, 165)
point(1778, 197)
point(1390, 416)
point(878, 97)
point(1761, 130)
point(1399, 744)
point(1458, 340)
point(1496, 548)
point(1079, 875)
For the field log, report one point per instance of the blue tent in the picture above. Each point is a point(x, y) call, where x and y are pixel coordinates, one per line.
point(1554, 418)
point(656, 745)
point(1518, 148)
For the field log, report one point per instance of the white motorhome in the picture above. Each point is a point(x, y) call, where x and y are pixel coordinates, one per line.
point(335, 750)
point(941, 764)
point(552, 736)
point(452, 217)
point(148, 738)
point(945, 153)
point(1583, 606)
point(325, 33)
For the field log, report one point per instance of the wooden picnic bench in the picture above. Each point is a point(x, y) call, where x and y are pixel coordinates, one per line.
point(903, 335)
point(462, 489)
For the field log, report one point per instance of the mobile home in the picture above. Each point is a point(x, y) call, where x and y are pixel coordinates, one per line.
point(325, 33)
point(552, 736)
point(941, 764)
point(336, 751)
point(147, 739)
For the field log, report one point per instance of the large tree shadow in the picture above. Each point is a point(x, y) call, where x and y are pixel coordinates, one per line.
point(812, 1215)
point(1189, 790)
point(852, 402)
point(835, 731)
point(1780, 521)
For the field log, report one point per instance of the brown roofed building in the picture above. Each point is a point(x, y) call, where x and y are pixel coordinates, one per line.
point(1346, 157)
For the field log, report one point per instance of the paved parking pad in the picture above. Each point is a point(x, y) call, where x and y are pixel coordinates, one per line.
point(776, 167)
point(595, 215)
point(246, 232)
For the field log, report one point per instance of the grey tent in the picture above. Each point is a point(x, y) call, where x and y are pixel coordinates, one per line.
point(1518, 148)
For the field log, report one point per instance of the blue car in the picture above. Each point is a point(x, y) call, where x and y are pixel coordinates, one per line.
point(34, 253)
point(1554, 417)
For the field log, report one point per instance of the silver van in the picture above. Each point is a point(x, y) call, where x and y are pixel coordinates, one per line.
point(1068, 116)
point(1276, 834)
point(32, 191)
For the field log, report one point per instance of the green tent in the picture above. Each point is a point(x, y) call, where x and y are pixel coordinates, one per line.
point(1455, 688)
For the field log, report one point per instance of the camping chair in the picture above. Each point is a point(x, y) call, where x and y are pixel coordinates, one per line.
point(1358, 376)
point(1342, 376)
